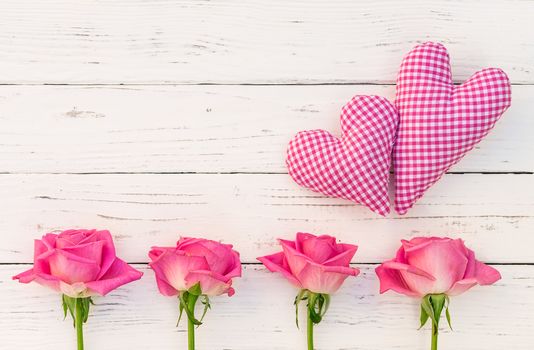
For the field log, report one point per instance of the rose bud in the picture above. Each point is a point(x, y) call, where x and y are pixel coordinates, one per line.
point(318, 266)
point(79, 264)
point(433, 269)
point(195, 268)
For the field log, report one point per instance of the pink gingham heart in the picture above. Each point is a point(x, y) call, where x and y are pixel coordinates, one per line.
point(355, 167)
point(440, 123)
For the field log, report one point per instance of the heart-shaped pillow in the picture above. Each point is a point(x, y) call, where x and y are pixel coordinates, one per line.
point(440, 122)
point(355, 167)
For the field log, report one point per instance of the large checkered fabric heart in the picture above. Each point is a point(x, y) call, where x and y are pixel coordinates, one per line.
point(355, 167)
point(440, 123)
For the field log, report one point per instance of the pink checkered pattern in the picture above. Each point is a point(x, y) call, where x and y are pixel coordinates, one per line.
point(440, 123)
point(355, 167)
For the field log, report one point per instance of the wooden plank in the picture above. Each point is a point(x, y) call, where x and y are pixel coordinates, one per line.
point(259, 41)
point(203, 128)
point(493, 213)
point(261, 316)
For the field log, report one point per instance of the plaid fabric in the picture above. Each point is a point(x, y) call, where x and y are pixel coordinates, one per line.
point(440, 123)
point(355, 167)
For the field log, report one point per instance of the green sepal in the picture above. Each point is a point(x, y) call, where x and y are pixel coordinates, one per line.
point(69, 304)
point(183, 298)
point(432, 306)
point(195, 290)
point(428, 308)
point(206, 302)
point(424, 317)
point(438, 302)
point(303, 295)
point(317, 306)
point(312, 300)
point(324, 303)
point(86, 304)
point(447, 313)
point(181, 308)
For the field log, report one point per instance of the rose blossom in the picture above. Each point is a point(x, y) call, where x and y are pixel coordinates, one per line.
point(434, 266)
point(192, 261)
point(78, 263)
point(315, 263)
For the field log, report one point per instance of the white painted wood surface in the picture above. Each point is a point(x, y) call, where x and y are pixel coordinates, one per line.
point(261, 316)
point(91, 129)
point(256, 41)
point(252, 210)
point(106, 121)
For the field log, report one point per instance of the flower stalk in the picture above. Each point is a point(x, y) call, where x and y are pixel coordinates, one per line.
point(434, 343)
point(192, 300)
point(310, 331)
point(79, 323)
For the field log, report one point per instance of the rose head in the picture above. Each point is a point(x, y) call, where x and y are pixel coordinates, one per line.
point(192, 261)
point(78, 263)
point(315, 263)
point(434, 266)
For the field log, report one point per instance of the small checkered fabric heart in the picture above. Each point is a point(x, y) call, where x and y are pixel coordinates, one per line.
point(355, 167)
point(440, 123)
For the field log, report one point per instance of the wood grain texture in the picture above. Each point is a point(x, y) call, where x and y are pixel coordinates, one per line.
point(261, 316)
point(258, 41)
point(494, 213)
point(48, 129)
point(134, 141)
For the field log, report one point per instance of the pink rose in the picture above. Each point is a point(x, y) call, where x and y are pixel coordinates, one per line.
point(78, 263)
point(192, 261)
point(315, 263)
point(434, 266)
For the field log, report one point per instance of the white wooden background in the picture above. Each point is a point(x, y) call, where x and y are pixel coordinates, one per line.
point(167, 117)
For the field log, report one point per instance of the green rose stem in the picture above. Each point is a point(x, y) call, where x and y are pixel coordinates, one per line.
point(431, 307)
point(434, 345)
point(191, 302)
point(310, 331)
point(79, 323)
